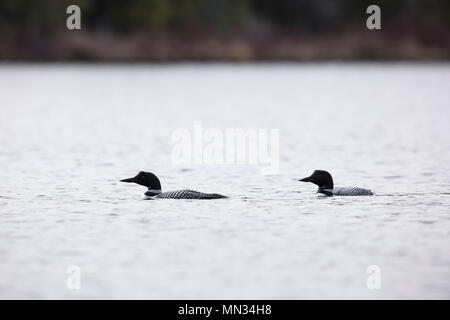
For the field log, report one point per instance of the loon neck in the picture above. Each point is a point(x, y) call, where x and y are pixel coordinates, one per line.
point(326, 191)
point(152, 192)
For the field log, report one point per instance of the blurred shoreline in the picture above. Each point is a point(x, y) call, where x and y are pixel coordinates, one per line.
point(224, 30)
point(348, 44)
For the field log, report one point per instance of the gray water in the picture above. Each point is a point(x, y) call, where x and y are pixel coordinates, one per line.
point(69, 133)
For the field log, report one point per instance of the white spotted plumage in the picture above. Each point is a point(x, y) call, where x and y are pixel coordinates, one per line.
point(351, 191)
point(187, 194)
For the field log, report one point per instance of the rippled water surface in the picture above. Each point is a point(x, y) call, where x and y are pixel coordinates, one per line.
point(69, 133)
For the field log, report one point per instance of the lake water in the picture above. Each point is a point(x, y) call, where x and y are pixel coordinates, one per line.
point(69, 133)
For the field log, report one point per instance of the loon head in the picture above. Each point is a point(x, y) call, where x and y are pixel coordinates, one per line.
point(322, 179)
point(146, 179)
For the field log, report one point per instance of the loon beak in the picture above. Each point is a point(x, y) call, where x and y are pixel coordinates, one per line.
point(129, 180)
point(307, 179)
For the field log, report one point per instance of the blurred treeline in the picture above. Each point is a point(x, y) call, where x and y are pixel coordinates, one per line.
point(224, 30)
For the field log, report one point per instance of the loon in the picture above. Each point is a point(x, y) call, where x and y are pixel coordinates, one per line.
point(151, 181)
point(325, 182)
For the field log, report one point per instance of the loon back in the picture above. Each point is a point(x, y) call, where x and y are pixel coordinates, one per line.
point(184, 194)
point(346, 191)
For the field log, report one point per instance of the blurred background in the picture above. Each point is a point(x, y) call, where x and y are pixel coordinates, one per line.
point(224, 30)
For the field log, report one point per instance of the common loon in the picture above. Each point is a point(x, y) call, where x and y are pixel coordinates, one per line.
point(325, 182)
point(151, 181)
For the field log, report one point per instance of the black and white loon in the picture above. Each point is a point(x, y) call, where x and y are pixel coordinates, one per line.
point(325, 182)
point(151, 181)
